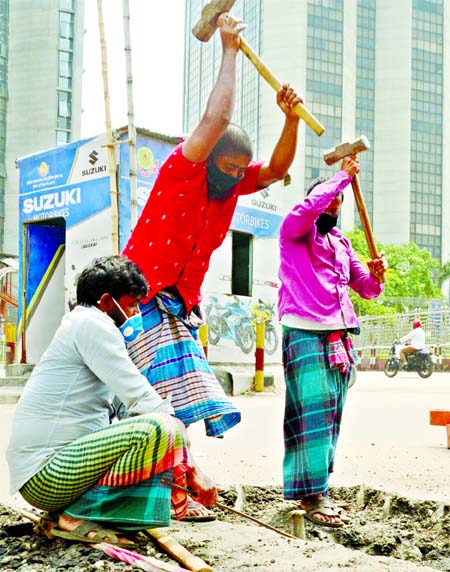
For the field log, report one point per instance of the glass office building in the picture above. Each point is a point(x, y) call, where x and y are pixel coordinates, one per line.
point(4, 25)
point(40, 74)
point(426, 124)
point(365, 67)
point(202, 63)
point(365, 92)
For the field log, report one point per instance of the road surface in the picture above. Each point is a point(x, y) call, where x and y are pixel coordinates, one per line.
point(386, 441)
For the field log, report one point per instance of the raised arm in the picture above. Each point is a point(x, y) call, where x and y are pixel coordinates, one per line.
point(302, 217)
point(219, 108)
point(284, 152)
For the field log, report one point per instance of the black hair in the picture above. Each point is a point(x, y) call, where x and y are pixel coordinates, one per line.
point(234, 141)
point(115, 275)
point(319, 181)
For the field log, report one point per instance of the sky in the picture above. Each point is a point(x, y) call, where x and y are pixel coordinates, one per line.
point(157, 44)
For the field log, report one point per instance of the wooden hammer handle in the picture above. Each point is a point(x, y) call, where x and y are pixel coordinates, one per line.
point(265, 72)
point(367, 228)
point(180, 553)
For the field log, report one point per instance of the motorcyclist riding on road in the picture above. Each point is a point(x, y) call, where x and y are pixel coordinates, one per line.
point(416, 342)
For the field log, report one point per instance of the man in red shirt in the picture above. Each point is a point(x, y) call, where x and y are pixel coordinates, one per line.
point(191, 205)
point(184, 220)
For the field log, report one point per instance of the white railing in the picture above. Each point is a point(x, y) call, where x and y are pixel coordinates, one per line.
point(379, 332)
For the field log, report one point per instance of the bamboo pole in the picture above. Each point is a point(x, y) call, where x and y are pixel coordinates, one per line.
point(109, 136)
point(131, 124)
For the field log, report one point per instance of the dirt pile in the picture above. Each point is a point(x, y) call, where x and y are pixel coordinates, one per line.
point(387, 533)
point(381, 524)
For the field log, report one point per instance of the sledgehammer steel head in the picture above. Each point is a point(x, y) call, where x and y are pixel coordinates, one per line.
point(207, 25)
point(344, 149)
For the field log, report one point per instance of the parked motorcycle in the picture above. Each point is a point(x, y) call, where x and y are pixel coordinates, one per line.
point(421, 361)
point(230, 321)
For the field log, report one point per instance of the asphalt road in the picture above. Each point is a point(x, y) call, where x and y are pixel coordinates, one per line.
point(386, 441)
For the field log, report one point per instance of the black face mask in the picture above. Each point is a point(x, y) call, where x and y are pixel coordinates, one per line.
point(325, 223)
point(220, 185)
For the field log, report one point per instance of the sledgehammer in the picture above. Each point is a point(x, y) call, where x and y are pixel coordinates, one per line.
point(336, 154)
point(205, 28)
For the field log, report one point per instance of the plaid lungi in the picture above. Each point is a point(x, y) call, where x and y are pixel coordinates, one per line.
point(169, 354)
point(315, 396)
point(114, 473)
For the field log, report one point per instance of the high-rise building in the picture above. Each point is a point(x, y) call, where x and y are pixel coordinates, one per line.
point(40, 90)
point(4, 20)
point(202, 62)
point(365, 67)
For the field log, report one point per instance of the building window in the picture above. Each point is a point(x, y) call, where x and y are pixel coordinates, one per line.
point(242, 264)
point(65, 70)
point(65, 64)
point(62, 137)
point(67, 5)
point(64, 104)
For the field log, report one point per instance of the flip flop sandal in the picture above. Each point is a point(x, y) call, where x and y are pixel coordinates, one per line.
point(79, 533)
point(322, 506)
point(195, 518)
point(343, 515)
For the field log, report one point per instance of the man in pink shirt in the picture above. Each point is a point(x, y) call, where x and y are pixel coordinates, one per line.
point(318, 265)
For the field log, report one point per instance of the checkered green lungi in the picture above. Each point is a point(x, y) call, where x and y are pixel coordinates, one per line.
point(114, 473)
point(315, 396)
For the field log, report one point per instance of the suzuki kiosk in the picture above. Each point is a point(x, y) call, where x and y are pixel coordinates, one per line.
point(65, 220)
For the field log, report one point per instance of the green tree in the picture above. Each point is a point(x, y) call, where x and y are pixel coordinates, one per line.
point(444, 272)
point(412, 273)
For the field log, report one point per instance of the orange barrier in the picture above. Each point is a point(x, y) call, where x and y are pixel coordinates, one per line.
point(441, 417)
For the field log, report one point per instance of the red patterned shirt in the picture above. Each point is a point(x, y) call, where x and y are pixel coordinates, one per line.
point(180, 227)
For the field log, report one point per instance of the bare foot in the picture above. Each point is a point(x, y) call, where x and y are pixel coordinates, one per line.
point(320, 515)
point(70, 524)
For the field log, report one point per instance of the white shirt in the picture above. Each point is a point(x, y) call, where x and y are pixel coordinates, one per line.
point(70, 391)
point(293, 321)
point(416, 339)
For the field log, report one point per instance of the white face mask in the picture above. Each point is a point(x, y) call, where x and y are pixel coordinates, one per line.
point(132, 327)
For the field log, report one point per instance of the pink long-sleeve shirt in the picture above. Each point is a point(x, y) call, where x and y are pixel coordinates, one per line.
point(315, 270)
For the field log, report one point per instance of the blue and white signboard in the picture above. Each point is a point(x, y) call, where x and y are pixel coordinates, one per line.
point(66, 221)
point(65, 217)
point(259, 214)
point(258, 222)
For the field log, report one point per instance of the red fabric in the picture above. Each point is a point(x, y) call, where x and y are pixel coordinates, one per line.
point(180, 227)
